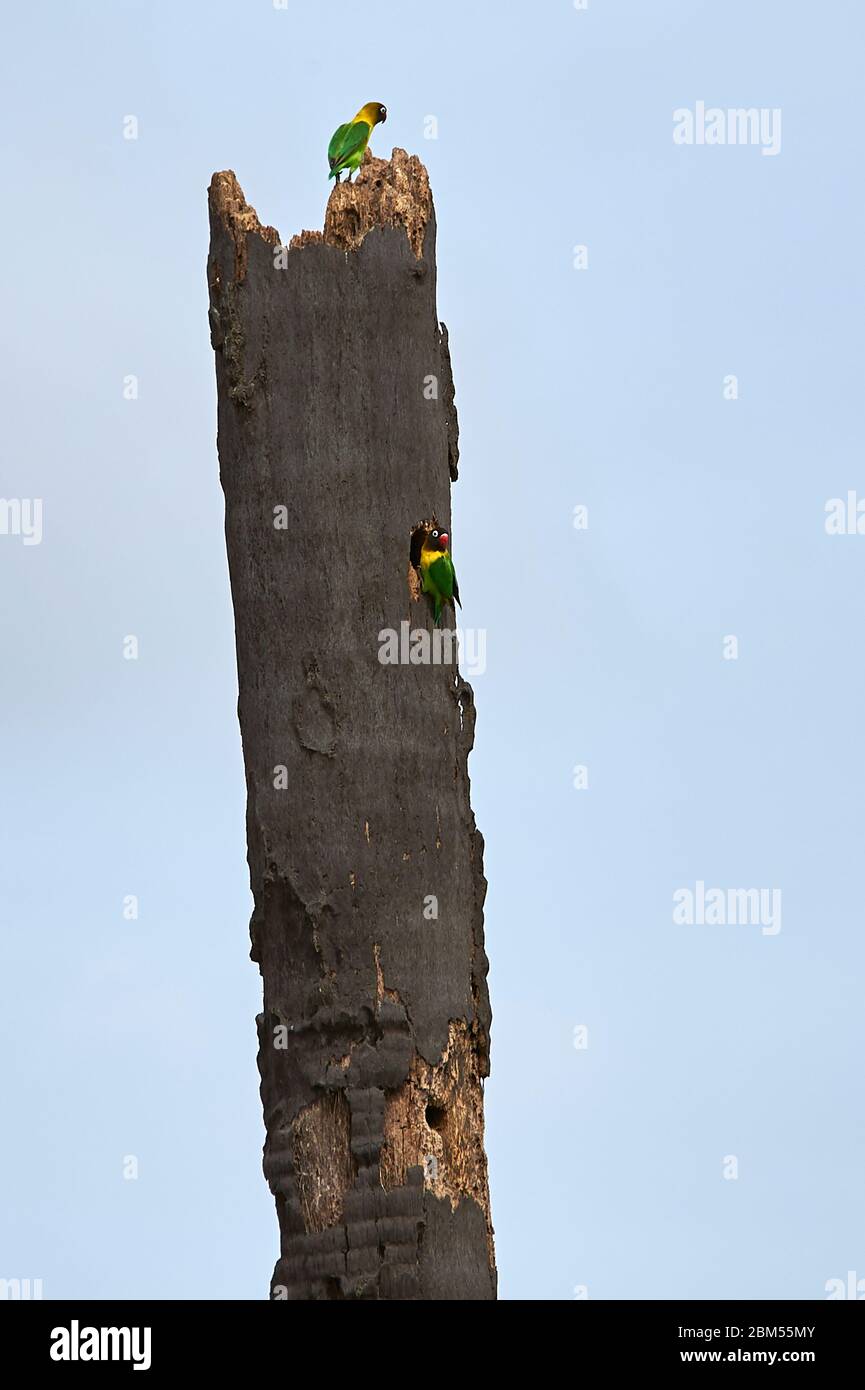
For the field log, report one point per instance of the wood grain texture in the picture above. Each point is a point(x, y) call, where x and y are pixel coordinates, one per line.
point(374, 1033)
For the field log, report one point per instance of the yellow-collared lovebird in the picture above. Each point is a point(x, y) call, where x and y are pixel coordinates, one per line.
point(437, 574)
point(348, 142)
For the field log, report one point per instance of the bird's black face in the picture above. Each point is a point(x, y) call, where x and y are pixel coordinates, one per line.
point(382, 114)
point(438, 539)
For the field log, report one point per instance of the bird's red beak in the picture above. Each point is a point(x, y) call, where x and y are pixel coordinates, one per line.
point(443, 540)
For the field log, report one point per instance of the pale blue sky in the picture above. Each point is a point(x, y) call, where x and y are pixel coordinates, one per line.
point(601, 387)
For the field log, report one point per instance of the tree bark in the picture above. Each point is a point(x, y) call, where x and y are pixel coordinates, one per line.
point(337, 445)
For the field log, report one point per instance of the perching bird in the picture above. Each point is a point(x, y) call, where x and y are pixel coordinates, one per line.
point(348, 142)
point(437, 575)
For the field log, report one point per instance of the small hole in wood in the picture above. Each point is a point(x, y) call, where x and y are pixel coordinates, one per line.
point(418, 536)
point(435, 1117)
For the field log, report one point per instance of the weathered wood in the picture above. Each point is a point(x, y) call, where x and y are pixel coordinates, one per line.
point(334, 446)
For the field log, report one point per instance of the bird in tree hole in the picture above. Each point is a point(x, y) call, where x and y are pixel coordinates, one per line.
point(437, 575)
point(348, 142)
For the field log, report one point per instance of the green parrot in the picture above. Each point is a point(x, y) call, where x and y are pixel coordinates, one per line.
point(348, 142)
point(437, 575)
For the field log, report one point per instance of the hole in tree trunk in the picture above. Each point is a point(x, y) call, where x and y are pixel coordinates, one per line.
point(418, 536)
point(435, 1117)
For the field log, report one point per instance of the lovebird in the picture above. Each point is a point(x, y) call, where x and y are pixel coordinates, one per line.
point(349, 141)
point(437, 574)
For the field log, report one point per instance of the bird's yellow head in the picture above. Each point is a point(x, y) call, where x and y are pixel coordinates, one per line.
point(373, 113)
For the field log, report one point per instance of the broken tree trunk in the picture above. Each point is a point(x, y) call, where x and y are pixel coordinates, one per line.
point(337, 443)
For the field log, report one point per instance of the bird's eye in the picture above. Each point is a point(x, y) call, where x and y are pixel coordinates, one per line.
point(435, 535)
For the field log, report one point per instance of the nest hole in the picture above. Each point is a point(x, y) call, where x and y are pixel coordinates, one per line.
point(436, 1115)
point(418, 536)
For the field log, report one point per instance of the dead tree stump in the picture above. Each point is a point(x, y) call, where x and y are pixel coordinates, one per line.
point(337, 441)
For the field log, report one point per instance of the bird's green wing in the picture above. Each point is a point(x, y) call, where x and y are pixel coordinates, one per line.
point(354, 138)
point(442, 574)
point(456, 585)
point(336, 140)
